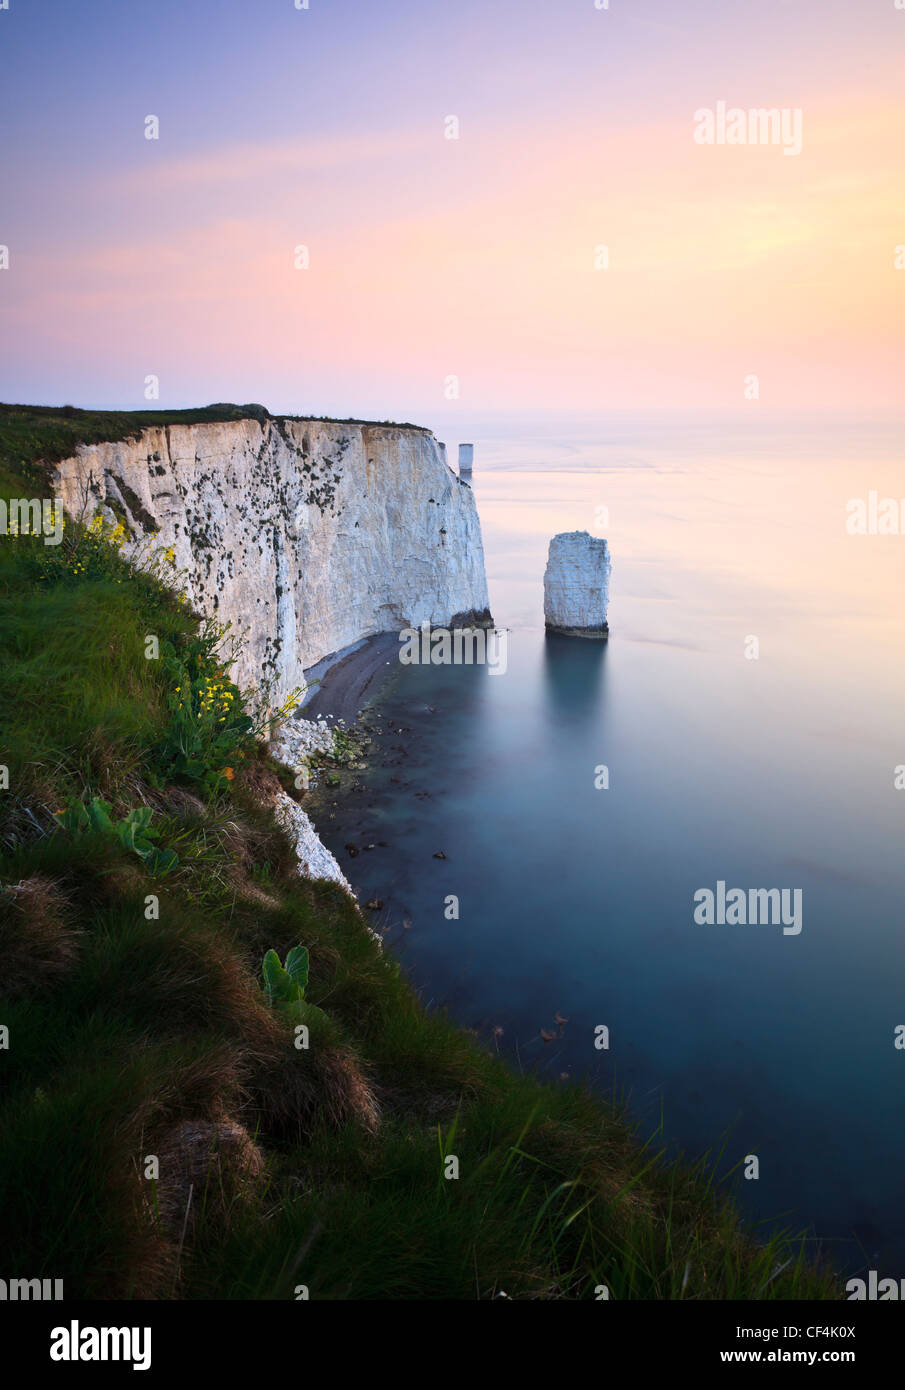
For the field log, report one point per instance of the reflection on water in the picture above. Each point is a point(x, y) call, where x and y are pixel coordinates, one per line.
point(573, 677)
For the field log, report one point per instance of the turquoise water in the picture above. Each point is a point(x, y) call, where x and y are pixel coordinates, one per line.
point(774, 772)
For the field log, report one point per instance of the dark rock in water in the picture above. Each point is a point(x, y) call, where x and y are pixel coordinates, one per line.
point(439, 854)
point(352, 851)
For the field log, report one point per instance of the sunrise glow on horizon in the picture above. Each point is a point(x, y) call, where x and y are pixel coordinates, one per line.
point(476, 258)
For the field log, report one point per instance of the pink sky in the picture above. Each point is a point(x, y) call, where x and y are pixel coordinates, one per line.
point(475, 258)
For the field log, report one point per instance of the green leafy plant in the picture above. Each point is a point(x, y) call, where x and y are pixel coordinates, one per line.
point(209, 730)
point(285, 985)
point(134, 832)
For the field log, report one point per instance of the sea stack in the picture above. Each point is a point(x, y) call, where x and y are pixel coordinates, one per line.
point(577, 585)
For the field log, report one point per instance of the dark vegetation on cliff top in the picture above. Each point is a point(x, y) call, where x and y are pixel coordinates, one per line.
point(143, 879)
point(36, 436)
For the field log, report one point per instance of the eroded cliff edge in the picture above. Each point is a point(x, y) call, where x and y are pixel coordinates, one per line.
point(306, 535)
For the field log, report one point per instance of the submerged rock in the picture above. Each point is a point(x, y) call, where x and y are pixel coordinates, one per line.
point(577, 585)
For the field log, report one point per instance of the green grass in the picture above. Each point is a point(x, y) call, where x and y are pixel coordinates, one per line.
point(126, 1023)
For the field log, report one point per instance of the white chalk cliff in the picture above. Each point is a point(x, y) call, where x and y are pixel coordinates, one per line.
point(577, 585)
point(306, 535)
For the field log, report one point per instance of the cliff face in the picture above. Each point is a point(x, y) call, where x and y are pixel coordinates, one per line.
point(306, 535)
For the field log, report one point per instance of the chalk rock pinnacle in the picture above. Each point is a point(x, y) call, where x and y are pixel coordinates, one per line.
point(576, 585)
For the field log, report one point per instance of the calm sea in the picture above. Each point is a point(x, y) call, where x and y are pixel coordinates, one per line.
point(769, 772)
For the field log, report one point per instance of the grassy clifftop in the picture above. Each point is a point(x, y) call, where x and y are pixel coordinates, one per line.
point(161, 1133)
point(32, 437)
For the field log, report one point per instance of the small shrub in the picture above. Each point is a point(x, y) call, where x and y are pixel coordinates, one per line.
point(209, 729)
